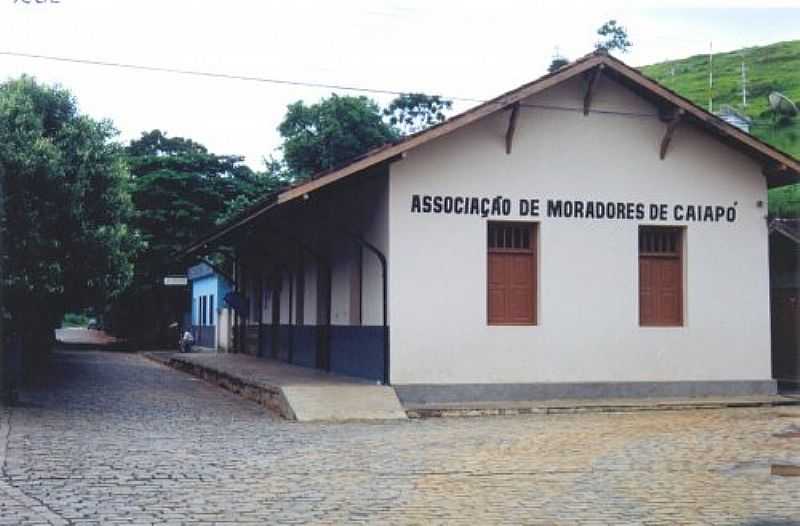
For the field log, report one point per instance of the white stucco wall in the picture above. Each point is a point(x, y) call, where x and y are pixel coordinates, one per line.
point(588, 310)
point(344, 272)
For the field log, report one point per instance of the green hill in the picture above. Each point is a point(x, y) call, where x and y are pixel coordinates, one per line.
point(769, 68)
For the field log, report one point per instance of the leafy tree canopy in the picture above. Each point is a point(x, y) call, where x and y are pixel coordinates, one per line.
point(556, 64)
point(179, 188)
point(255, 188)
point(180, 191)
point(413, 112)
point(614, 37)
point(329, 133)
point(66, 209)
point(337, 129)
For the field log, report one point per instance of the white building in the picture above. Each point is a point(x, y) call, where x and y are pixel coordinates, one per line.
point(587, 234)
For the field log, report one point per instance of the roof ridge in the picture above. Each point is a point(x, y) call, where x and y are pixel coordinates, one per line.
point(786, 164)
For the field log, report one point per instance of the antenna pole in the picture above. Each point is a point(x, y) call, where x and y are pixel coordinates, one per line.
point(711, 76)
point(744, 85)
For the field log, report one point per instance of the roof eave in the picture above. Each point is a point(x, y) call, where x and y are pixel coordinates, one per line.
point(780, 168)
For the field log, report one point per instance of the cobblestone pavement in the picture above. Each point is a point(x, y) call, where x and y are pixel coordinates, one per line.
point(116, 439)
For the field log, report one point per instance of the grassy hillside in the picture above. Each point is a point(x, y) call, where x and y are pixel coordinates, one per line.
point(769, 68)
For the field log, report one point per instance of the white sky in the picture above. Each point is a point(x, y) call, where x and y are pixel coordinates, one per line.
point(459, 48)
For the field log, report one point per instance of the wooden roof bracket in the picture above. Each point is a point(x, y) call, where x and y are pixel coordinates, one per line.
point(587, 97)
point(677, 116)
point(773, 169)
point(512, 126)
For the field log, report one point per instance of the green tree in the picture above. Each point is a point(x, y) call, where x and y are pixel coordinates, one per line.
point(67, 209)
point(330, 133)
point(179, 190)
point(556, 64)
point(614, 37)
point(255, 188)
point(413, 112)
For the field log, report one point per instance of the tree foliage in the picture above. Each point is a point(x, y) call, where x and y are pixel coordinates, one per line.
point(337, 129)
point(556, 64)
point(331, 132)
point(179, 188)
point(614, 37)
point(253, 189)
point(413, 112)
point(181, 191)
point(66, 209)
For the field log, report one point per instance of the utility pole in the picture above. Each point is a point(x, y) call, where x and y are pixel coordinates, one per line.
point(744, 85)
point(711, 77)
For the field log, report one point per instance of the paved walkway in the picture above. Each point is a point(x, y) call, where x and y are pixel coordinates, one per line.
point(260, 370)
point(118, 439)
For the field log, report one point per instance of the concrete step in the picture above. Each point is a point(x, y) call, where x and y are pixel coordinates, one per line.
point(343, 402)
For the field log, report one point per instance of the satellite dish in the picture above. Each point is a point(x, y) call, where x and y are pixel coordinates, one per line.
point(781, 104)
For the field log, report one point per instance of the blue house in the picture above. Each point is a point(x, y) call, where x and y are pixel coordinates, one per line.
point(208, 290)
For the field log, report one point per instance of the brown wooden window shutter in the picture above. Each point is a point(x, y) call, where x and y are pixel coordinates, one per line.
point(660, 276)
point(511, 273)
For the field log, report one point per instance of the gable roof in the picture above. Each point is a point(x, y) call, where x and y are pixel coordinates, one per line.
point(780, 168)
point(201, 270)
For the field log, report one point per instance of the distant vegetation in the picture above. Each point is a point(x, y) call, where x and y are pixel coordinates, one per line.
point(72, 319)
point(769, 68)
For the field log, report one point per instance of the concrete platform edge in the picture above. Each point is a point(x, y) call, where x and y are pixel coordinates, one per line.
point(512, 392)
point(553, 407)
point(275, 399)
point(305, 400)
point(271, 397)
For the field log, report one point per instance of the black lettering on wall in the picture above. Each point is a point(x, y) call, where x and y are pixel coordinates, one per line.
point(437, 204)
point(577, 209)
point(415, 204)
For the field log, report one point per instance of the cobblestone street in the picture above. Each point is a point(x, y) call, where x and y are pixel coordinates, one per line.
point(117, 439)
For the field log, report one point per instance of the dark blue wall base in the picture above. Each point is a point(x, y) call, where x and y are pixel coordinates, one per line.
point(283, 343)
point(354, 351)
point(357, 351)
point(204, 335)
point(304, 345)
point(266, 342)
